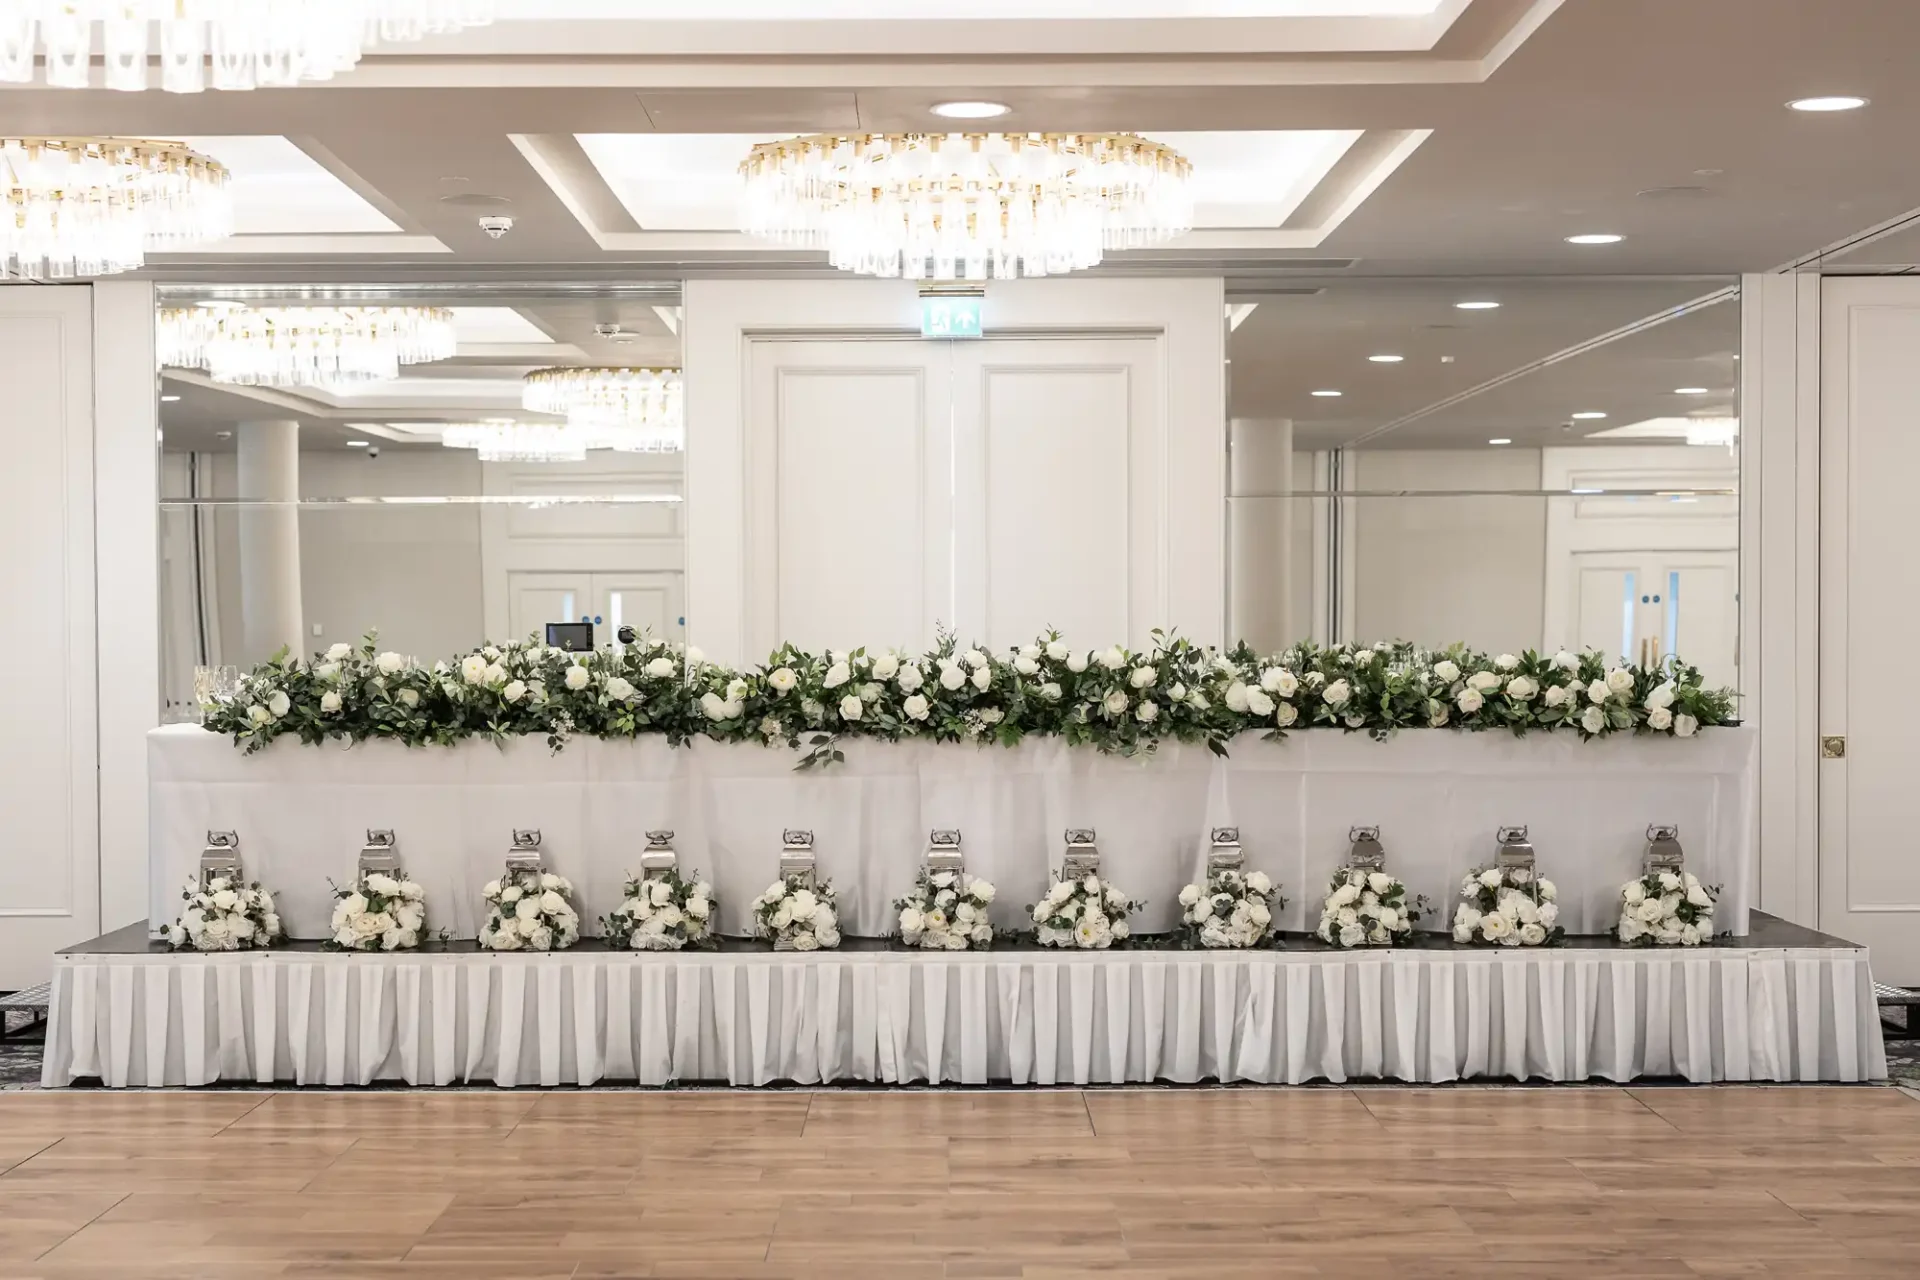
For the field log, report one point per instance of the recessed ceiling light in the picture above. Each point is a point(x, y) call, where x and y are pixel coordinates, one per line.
point(1481, 305)
point(358, 444)
point(1386, 359)
point(1690, 391)
point(970, 110)
point(168, 399)
point(1595, 237)
point(1841, 102)
point(1326, 393)
point(1500, 440)
point(1587, 415)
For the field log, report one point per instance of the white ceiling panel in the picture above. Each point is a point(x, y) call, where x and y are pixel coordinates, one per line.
point(278, 189)
point(943, 10)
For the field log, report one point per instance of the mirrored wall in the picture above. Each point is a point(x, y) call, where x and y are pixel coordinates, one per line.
point(310, 495)
point(1504, 463)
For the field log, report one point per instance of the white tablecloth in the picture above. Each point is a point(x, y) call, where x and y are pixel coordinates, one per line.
point(1711, 1014)
point(302, 814)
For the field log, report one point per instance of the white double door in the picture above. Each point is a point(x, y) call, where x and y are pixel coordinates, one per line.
point(649, 602)
point(1643, 605)
point(996, 488)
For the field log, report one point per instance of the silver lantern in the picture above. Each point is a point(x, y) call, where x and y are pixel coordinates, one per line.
point(1513, 855)
point(1082, 857)
point(943, 852)
point(658, 858)
point(1224, 853)
point(524, 855)
point(380, 854)
point(1663, 851)
point(1365, 853)
point(221, 858)
point(796, 857)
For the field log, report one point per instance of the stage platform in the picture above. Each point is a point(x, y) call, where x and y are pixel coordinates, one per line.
point(1780, 1004)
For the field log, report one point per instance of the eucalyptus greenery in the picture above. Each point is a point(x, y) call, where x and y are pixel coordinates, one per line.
point(1113, 700)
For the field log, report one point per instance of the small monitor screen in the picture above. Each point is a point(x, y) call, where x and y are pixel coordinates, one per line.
point(574, 637)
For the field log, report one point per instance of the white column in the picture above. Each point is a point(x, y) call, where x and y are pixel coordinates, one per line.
point(1261, 529)
point(269, 473)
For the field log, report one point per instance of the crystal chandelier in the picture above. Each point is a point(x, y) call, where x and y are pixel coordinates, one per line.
point(303, 346)
point(628, 410)
point(504, 440)
point(967, 206)
point(249, 42)
point(94, 206)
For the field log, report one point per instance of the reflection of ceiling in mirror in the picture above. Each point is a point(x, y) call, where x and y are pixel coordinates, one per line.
point(943, 10)
point(278, 189)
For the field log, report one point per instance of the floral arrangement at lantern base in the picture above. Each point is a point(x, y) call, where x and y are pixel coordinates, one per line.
point(1513, 907)
point(946, 912)
point(1666, 909)
point(796, 916)
point(663, 913)
point(530, 911)
point(378, 912)
point(1367, 909)
point(225, 915)
point(1086, 913)
point(1229, 910)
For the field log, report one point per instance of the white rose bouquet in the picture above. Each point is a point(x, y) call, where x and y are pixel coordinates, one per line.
point(378, 913)
point(664, 914)
point(803, 918)
point(1666, 910)
point(1511, 908)
point(1367, 908)
point(946, 912)
point(225, 916)
point(1229, 910)
point(531, 911)
point(1086, 913)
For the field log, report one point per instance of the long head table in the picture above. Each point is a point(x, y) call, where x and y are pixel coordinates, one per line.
point(302, 814)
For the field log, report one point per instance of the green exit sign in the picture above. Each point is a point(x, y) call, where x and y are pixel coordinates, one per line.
point(950, 315)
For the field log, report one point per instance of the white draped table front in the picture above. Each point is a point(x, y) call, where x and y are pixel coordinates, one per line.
point(583, 1016)
point(302, 814)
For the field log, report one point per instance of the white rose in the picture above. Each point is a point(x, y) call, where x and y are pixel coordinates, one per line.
point(1597, 692)
point(514, 691)
point(660, 668)
point(390, 664)
point(1620, 680)
point(578, 677)
point(279, 703)
point(952, 676)
point(1190, 895)
point(1259, 882)
point(975, 659)
point(1147, 712)
point(1344, 894)
point(1593, 719)
point(885, 667)
point(1483, 681)
point(510, 893)
point(695, 656)
point(1379, 881)
point(699, 908)
point(1091, 884)
point(1659, 718)
point(713, 706)
point(1352, 935)
point(1469, 700)
point(915, 706)
point(1506, 662)
point(1684, 725)
point(1078, 662)
point(1556, 696)
point(981, 890)
point(1566, 661)
point(1237, 695)
point(837, 675)
point(983, 679)
point(1050, 692)
point(1387, 917)
point(1532, 935)
point(851, 707)
point(1651, 911)
point(339, 652)
point(911, 921)
point(1115, 703)
point(1336, 694)
point(1057, 650)
point(1548, 913)
point(1026, 666)
point(1699, 896)
point(1143, 677)
point(1445, 671)
point(329, 702)
point(1662, 696)
point(1633, 894)
point(1522, 688)
point(1113, 659)
point(1494, 926)
point(910, 678)
point(1259, 702)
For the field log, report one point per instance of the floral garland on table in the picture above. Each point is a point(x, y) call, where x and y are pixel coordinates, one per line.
point(1087, 913)
point(801, 917)
point(1113, 699)
point(1513, 908)
point(530, 911)
point(1366, 909)
point(662, 914)
point(1229, 910)
point(946, 912)
point(378, 913)
point(1666, 910)
point(225, 915)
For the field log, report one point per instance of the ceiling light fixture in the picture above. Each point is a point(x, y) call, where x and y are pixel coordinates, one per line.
point(359, 444)
point(1500, 440)
point(1589, 415)
point(1595, 237)
point(169, 399)
point(1479, 305)
point(970, 110)
point(327, 347)
point(295, 41)
point(503, 440)
point(1841, 102)
point(1386, 359)
point(966, 206)
point(627, 410)
point(95, 206)
point(1690, 391)
point(1326, 394)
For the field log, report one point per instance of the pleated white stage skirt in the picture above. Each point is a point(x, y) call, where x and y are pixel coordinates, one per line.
point(1021, 1017)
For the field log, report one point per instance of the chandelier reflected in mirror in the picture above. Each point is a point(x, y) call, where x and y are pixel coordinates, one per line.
point(322, 347)
point(504, 440)
point(95, 206)
point(625, 409)
point(247, 43)
point(973, 206)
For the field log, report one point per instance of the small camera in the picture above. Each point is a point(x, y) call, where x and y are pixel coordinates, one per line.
point(496, 225)
point(373, 451)
point(627, 635)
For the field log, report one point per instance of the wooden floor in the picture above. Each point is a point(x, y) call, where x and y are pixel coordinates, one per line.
point(1162, 1184)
